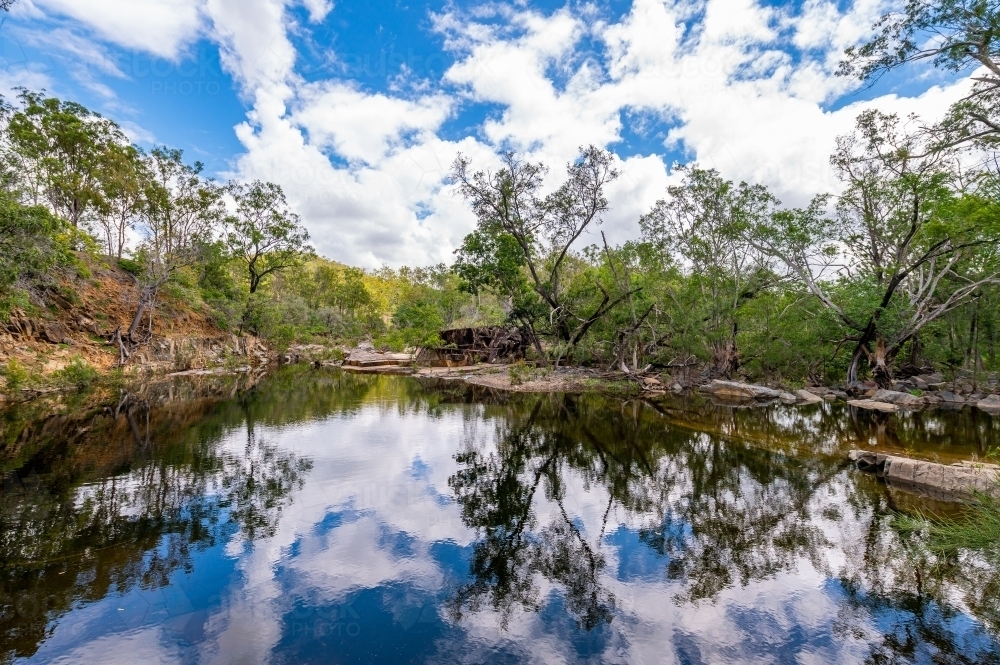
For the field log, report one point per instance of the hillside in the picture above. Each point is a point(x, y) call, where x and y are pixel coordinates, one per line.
point(64, 335)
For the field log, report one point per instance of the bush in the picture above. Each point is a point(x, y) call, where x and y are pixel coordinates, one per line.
point(132, 267)
point(17, 377)
point(77, 374)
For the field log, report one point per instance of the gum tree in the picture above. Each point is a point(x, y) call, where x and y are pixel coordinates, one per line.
point(908, 243)
point(955, 35)
point(702, 222)
point(523, 240)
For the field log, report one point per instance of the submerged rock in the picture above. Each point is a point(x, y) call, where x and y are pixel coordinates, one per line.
point(964, 478)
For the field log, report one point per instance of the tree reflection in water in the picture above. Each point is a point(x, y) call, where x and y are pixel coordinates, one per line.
point(123, 497)
point(722, 505)
point(130, 506)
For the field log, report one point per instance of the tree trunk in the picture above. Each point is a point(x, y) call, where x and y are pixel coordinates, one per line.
point(726, 355)
point(880, 364)
point(137, 319)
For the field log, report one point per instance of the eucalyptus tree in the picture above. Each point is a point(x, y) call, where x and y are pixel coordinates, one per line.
point(179, 213)
point(264, 234)
point(124, 179)
point(702, 223)
point(907, 245)
point(60, 149)
point(523, 240)
point(955, 35)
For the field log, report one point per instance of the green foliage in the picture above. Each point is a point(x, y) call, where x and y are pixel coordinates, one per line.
point(264, 234)
point(954, 35)
point(131, 266)
point(976, 528)
point(16, 375)
point(77, 374)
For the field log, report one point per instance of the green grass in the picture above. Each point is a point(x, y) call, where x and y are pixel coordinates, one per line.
point(977, 528)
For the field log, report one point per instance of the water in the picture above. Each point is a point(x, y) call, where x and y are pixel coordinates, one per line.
point(322, 517)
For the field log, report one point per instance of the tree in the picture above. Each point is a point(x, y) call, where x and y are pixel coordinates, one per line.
point(956, 35)
point(179, 213)
point(702, 222)
point(519, 231)
point(124, 178)
point(906, 246)
point(264, 234)
point(60, 147)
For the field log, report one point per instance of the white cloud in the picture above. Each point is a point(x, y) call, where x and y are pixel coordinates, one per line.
point(161, 27)
point(742, 86)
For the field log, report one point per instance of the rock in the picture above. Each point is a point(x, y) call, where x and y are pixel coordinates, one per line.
point(872, 405)
point(678, 388)
point(958, 479)
point(53, 333)
point(948, 396)
point(734, 389)
point(898, 398)
point(991, 404)
point(788, 398)
point(808, 397)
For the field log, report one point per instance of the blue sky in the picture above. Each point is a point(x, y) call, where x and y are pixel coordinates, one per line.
point(358, 108)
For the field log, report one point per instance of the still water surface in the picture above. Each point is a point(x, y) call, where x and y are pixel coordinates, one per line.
point(321, 517)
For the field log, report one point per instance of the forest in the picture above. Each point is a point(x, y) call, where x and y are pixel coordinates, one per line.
point(896, 272)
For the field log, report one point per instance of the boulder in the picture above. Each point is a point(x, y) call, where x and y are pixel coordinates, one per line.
point(808, 397)
point(964, 478)
point(53, 333)
point(948, 396)
point(872, 405)
point(991, 404)
point(788, 398)
point(734, 389)
point(898, 398)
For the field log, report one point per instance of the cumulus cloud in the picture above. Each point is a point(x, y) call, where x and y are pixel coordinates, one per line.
point(740, 85)
point(161, 27)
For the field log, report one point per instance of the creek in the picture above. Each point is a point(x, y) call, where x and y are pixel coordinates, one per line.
point(324, 517)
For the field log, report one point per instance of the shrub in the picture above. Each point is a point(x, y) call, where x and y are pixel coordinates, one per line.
point(16, 375)
point(77, 374)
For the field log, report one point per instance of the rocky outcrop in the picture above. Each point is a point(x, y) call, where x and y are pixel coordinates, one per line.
point(808, 397)
point(962, 479)
point(365, 358)
point(201, 352)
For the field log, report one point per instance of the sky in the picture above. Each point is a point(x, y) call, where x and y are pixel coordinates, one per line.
point(358, 109)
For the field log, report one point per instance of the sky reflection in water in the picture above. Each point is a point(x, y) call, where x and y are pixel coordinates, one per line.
point(330, 518)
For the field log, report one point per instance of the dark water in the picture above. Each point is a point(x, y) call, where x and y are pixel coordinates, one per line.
point(328, 518)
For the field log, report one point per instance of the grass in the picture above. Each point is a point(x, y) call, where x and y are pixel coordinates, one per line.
point(977, 528)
